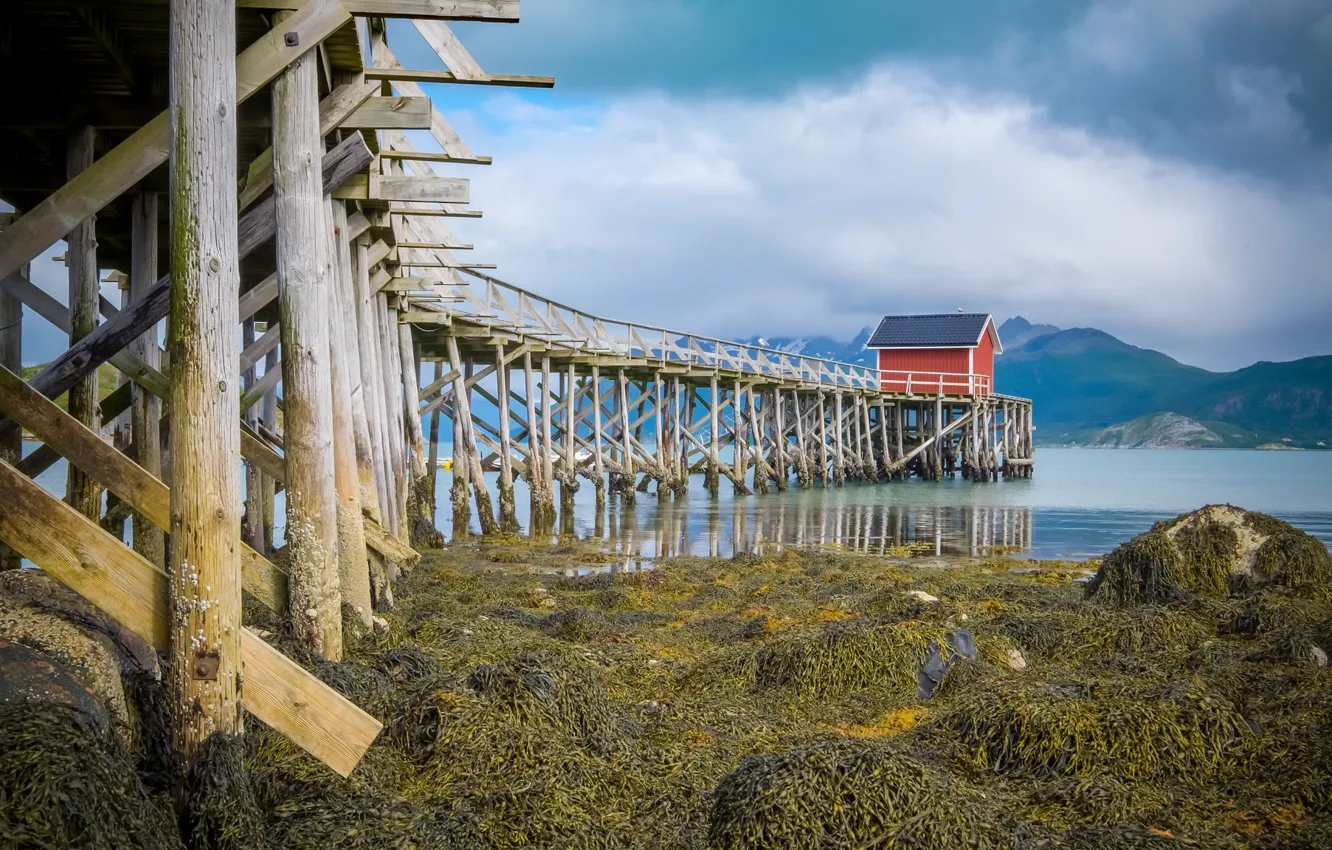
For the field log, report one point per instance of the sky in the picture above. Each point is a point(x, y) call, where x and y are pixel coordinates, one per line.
point(1159, 169)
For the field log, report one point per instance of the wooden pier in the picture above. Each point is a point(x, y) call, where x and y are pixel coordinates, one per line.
point(243, 169)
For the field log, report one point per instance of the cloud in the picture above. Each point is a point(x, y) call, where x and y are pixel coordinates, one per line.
point(817, 210)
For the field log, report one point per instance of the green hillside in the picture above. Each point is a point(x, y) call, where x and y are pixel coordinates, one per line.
point(1084, 381)
point(106, 381)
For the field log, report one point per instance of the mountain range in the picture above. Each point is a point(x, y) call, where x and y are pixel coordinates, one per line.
point(1090, 388)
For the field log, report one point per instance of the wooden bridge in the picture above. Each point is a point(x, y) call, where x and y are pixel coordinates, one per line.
point(303, 264)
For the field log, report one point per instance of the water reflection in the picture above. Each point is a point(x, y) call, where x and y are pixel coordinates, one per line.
point(646, 532)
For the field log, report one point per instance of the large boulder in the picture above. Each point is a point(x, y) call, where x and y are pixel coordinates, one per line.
point(1212, 552)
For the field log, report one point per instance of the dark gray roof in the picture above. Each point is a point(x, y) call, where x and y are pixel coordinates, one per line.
point(941, 329)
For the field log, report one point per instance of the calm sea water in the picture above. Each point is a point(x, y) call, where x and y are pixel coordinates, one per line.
point(1081, 503)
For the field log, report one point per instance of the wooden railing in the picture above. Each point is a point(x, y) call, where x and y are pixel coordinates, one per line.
point(924, 382)
point(494, 303)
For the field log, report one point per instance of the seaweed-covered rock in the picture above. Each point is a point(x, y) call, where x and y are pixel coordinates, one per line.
point(1083, 729)
point(64, 783)
point(1212, 552)
point(29, 677)
point(842, 794)
point(841, 657)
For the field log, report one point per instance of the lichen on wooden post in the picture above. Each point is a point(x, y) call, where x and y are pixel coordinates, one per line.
point(146, 408)
point(542, 508)
point(204, 562)
point(303, 291)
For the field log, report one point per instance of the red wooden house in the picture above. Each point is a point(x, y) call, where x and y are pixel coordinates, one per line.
point(947, 353)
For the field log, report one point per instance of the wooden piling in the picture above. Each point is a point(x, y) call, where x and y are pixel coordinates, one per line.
point(568, 474)
point(344, 301)
point(432, 464)
point(316, 599)
point(146, 408)
point(598, 464)
point(81, 489)
point(204, 566)
point(353, 568)
point(268, 417)
point(626, 447)
point(543, 501)
point(508, 514)
point(372, 379)
point(11, 358)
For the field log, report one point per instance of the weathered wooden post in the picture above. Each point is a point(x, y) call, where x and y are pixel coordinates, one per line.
point(543, 500)
point(658, 438)
point(392, 363)
point(739, 450)
point(353, 563)
point(372, 382)
point(204, 562)
point(465, 450)
point(344, 285)
point(508, 514)
point(11, 358)
point(568, 475)
point(315, 594)
point(146, 408)
point(711, 479)
point(626, 447)
point(598, 463)
point(268, 416)
point(779, 436)
point(678, 440)
point(433, 462)
point(82, 491)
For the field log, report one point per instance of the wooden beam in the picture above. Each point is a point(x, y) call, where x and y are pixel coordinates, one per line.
point(428, 213)
point(448, 48)
point(384, 113)
point(425, 156)
point(255, 228)
point(494, 11)
point(425, 246)
point(138, 488)
point(404, 75)
point(136, 157)
point(133, 592)
point(434, 190)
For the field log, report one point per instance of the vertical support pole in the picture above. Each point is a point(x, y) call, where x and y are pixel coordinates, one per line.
point(597, 461)
point(11, 357)
point(82, 490)
point(252, 521)
point(761, 470)
point(316, 599)
point(432, 464)
point(465, 453)
point(353, 562)
point(423, 533)
point(346, 335)
point(146, 408)
point(508, 514)
point(823, 443)
point(658, 434)
point(626, 447)
point(870, 470)
point(392, 363)
point(372, 378)
point(887, 462)
point(712, 481)
point(678, 440)
point(547, 439)
point(204, 563)
point(779, 435)
point(738, 447)
point(938, 438)
point(839, 472)
point(268, 416)
point(804, 476)
point(543, 503)
point(569, 479)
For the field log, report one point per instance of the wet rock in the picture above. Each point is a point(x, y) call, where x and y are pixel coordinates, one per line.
point(34, 616)
point(922, 596)
point(1318, 656)
point(30, 677)
point(930, 674)
point(1016, 661)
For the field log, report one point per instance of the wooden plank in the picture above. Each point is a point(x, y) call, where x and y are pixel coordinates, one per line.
point(494, 11)
point(74, 550)
point(384, 113)
point(255, 227)
point(411, 284)
point(270, 380)
point(258, 296)
point(448, 48)
point(432, 190)
point(260, 347)
point(425, 156)
point(122, 476)
point(430, 246)
point(135, 158)
point(429, 213)
point(404, 75)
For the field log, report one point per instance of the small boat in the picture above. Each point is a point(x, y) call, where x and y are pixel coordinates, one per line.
point(445, 463)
